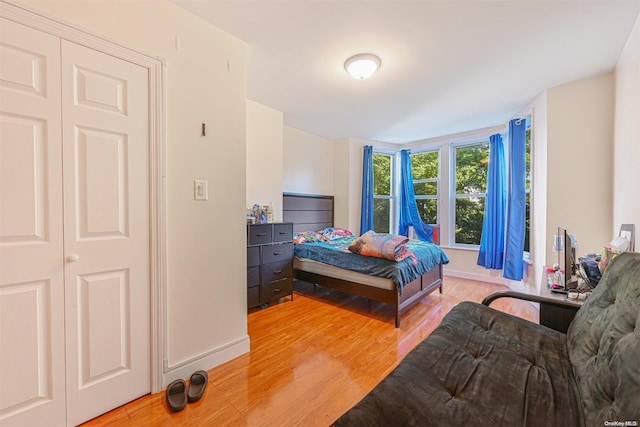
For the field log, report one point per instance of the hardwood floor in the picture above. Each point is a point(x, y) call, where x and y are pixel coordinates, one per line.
point(311, 359)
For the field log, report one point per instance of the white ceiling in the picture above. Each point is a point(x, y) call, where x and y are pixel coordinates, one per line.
point(447, 66)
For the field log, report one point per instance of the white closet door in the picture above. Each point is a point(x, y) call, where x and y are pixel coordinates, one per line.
point(106, 231)
point(32, 359)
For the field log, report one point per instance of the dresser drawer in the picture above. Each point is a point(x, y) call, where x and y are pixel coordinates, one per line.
point(253, 256)
point(273, 291)
point(275, 253)
point(259, 234)
point(253, 276)
point(276, 271)
point(283, 232)
point(253, 297)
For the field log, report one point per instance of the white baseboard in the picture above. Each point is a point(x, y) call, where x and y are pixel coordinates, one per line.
point(498, 280)
point(206, 361)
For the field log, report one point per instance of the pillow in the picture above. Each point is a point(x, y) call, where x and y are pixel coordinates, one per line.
point(307, 236)
point(332, 233)
point(388, 246)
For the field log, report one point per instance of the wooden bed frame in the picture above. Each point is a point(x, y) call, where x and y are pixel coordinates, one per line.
point(315, 212)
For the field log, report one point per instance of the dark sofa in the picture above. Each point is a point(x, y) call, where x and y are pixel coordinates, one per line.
point(482, 367)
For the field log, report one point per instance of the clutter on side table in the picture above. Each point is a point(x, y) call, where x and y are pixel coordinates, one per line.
point(589, 269)
point(618, 245)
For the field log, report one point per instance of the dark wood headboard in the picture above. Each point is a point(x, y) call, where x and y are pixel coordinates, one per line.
point(307, 211)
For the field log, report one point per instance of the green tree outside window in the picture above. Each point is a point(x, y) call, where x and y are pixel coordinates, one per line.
point(382, 192)
point(471, 168)
point(426, 180)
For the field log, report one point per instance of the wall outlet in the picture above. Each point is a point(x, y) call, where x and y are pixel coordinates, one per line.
point(200, 189)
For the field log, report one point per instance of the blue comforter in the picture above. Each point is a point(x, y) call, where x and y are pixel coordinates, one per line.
point(335, 252)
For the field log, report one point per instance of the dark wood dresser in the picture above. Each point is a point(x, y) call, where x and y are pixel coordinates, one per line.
point(269, 262)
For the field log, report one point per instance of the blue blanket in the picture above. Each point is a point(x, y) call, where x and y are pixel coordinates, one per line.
point(335, 252)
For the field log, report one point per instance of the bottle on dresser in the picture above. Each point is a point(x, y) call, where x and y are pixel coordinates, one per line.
point(270, 216)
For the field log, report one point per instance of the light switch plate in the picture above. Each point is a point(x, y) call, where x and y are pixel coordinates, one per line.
point(200, 189)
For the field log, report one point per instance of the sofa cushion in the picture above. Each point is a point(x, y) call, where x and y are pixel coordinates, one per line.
point(604, 345)
point(479, 367)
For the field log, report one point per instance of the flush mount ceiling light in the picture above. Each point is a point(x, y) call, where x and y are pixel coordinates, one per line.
point(362, 66)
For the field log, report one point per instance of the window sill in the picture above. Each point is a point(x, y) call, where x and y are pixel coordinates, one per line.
point(462, 248)
point(525, 257)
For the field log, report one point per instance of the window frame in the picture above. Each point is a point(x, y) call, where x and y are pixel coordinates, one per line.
point(392, 189)
point(454, 196)
point(437, 180)
point(529, 181)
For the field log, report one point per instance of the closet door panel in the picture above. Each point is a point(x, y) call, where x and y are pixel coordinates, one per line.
point(106, 175)
point(32, 360)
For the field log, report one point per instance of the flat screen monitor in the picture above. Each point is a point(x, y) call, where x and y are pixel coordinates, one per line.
point(565, 248)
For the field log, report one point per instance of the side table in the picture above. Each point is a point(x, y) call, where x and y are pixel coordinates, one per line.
point(556, 310)
point(554, 316)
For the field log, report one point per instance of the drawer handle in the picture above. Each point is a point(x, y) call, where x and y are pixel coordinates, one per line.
point(277, 253)
point(261, 234)
point(277, 272)
point(277, 290)
point(283, 232)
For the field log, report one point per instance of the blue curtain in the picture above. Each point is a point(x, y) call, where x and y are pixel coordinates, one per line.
point(491, 253)
point(514, 242)
point(366, 214)
point(408, 209)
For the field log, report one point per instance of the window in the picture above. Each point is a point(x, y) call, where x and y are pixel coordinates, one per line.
point(426, 182)
point(382, 192)
point(527, 205)
point(470, 168)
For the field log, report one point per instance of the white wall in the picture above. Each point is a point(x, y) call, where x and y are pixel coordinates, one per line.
point(580, 119)
point(344, 198)
point(315, 165)
point(348, 183)
point(348, 154)
point(308, 163)
point(206, 281)
point(264, 157)
point(626, 157)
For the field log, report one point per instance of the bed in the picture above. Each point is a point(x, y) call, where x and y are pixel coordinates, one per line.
point(316, 212)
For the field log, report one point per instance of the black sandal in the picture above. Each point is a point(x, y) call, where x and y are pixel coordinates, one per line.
point(197, 384)
point(177, 395)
